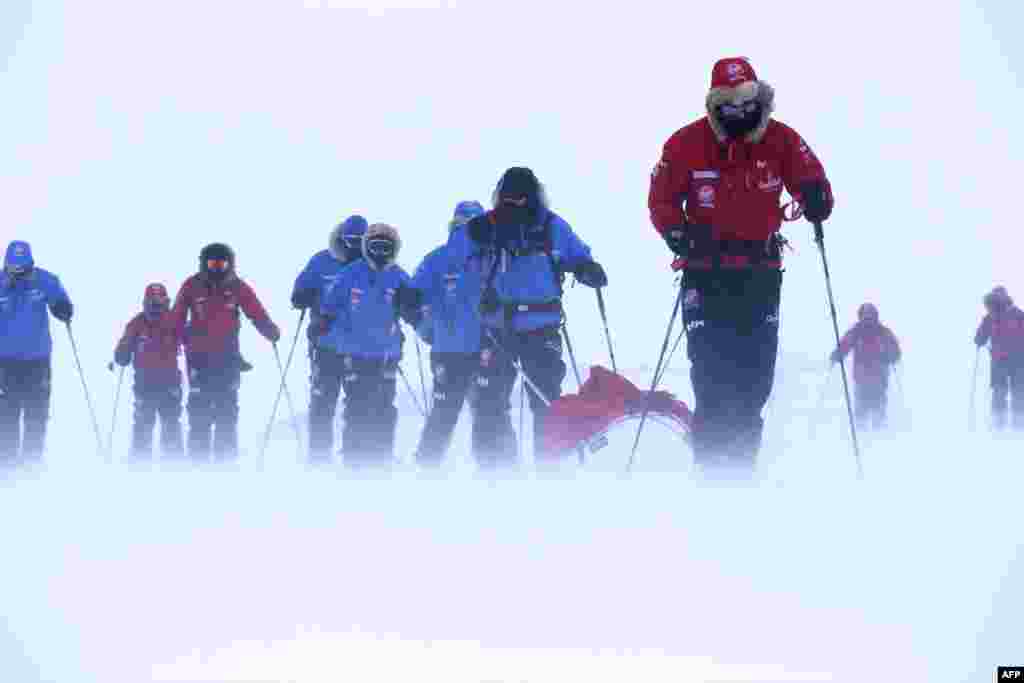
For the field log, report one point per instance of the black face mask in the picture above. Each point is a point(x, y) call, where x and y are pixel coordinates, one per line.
point(18, 272)
point(739, 120)
point(381, 252)
point(516, 212)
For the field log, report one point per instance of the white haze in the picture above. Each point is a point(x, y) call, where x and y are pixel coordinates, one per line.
point(134, 133)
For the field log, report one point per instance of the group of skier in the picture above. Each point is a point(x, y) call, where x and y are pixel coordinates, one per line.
point(488, 301)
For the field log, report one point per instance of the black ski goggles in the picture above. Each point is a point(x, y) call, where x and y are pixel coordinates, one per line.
point(738, 111)
point(380, 248)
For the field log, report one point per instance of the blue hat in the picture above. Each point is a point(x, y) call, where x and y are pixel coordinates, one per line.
point(465, 211)
point(354, 225)
point(19, 255)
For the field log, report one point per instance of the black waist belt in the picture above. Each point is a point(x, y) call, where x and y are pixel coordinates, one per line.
point(513, 309)
point(551, 307)
point(718, 253)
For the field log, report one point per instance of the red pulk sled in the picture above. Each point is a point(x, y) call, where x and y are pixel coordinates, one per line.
point(604, 399)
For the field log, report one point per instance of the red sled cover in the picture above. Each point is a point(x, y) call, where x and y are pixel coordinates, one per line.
point(604, 398)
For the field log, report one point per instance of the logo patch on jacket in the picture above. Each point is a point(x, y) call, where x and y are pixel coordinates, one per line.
point(356, 296)
point(451, 281)
point(691, 299)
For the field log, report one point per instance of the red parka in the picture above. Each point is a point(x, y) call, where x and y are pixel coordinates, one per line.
point(875, 348)
point(153, 344)
point(1006, 330)
point(731, 187)
point(207, 314)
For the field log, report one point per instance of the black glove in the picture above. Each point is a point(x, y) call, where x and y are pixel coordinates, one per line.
point(407, 304)
point(817, 200)
point(677, 240)
point(303, 298)
point(489, 303)
point(62, 310)
point(122, 356)
point(407, 298)
point(591, 274)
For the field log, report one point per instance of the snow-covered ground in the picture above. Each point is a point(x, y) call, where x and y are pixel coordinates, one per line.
point(124, 573)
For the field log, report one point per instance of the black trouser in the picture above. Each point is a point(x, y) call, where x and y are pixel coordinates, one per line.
point(368, 435)
point(1007, 384)
point(732, 332)
point(454, 374)
point(157, 395)
point(327, 369)
point(214, 380)
point(871, 402)
point(540, 355)
point(24, 397)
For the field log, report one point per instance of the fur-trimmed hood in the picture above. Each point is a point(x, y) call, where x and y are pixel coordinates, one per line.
point(351, 226)
point(337, 232)
point(379, 230)
point(733, 81)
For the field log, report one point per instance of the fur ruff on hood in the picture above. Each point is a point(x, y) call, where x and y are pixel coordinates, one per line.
point(379, 230)
point(744, 92)
point(337, 232)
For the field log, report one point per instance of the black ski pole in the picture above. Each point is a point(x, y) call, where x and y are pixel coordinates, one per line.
point(423, 377)
point(657, 376)
point(819, 238)
point(412, 392)
point(85, 389)
point(113, 418)
point(281, 389)
point(671, 354)
point(525, 378)
point(971, 407)
point(607, 333)
point(572, 354)
point(288, 398)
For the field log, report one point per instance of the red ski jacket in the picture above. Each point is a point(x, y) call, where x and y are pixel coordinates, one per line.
point(1006, 330)
point(874, 347)
point(153, 345)
point(732, 187)
point(207, 315)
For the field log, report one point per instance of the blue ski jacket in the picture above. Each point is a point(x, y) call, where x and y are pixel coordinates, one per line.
point(24, 322)
point(360, 311)
point(523, 266)
point(319, 274)
point(450, 291)
point(323, 269)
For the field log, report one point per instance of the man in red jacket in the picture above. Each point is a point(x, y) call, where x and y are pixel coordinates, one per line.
point(1003, 324)
point(151, 340)
point(875, 350)
point(714, 198)
point(207, 316)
